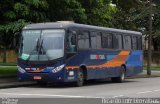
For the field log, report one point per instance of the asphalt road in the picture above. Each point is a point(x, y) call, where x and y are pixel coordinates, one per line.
point(137, 88)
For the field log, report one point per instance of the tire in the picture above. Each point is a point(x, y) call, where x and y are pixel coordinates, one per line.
point(120, 79)
point(80, 78)
point(42, 84)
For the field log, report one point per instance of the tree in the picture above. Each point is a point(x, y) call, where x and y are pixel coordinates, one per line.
point(134, 15)
point(127, 11)
point(66, 10)
point(15, 15)
point(99, 12)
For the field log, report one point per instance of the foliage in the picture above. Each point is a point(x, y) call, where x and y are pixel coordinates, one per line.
point(125, 14)
point(134, 15)
point(66, 10)
point(15, 14)
point(10, 71)
point(98, 12)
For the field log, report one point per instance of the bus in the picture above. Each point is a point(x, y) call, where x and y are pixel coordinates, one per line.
point(70, 52)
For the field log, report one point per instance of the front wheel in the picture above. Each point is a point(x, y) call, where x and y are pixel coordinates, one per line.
point(80, 78)
point(120, 79)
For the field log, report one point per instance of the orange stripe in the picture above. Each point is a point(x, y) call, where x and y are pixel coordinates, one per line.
point(72, 67)
point(115, 62)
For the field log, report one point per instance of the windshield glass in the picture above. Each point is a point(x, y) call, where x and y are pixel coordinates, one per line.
point(42, 45)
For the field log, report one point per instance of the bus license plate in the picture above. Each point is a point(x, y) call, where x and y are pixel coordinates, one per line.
point(37, 77)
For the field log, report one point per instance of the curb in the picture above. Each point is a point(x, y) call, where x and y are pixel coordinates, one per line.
point(143, 76)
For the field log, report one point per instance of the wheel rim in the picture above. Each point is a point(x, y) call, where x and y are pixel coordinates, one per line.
point(80, 77)
point(123, 76)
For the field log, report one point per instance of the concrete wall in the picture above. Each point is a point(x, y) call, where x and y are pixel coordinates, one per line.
point(11, 56)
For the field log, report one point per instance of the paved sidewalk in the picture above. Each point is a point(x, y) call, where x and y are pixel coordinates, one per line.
point(152, 72)
point(144, 74)
point(13, 82)
point(5, 80)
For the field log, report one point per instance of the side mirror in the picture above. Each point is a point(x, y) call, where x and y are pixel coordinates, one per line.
point(16, 41)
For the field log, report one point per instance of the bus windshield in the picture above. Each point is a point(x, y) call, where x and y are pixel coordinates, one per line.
point(42, 45)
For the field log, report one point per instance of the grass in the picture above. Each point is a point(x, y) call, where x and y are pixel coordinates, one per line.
point(8, 71)
point(156, 68)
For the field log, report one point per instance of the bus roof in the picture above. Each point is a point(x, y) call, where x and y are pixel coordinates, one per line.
point(60, 25)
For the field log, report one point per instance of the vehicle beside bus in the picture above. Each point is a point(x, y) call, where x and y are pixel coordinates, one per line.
point(71, 52)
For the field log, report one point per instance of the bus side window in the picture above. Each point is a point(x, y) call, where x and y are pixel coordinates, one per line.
point(99, 41)
point(83, 40)
point(117, 41)
point(107, 41)
point(95, 40)
point(134, 43)
point(139, 43)
point(127, 42)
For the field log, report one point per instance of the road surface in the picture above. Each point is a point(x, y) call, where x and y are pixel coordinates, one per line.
point(137, 88)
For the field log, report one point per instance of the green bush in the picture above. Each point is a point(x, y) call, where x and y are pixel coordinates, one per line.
point(8, 71)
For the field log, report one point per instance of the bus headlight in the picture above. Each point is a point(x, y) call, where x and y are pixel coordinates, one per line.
point(21, 70)
point(57, 69)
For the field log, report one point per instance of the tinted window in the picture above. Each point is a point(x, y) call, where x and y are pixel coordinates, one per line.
point(95, 40)
point(134, 43)
point(139, 43)
point(107, 41)
point(117, 41)
point(99, 41)
point(127, 42)
point(83, 40)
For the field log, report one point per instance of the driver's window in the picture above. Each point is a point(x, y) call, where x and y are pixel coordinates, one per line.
point(71, 42)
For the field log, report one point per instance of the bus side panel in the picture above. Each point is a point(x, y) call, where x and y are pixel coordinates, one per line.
point(95, 61)
point(134, 64)
point(103, 73)
point(103, 64)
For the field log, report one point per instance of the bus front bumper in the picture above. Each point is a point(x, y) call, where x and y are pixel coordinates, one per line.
point(46, 77)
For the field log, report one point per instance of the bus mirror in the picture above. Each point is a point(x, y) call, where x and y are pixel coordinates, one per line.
point(15, 40)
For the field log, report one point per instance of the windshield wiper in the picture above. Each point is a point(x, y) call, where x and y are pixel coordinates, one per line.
point(42, 50)
point(34, 50)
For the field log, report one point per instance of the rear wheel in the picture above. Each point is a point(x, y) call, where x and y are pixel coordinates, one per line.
point(120, 79)
point(80, 78)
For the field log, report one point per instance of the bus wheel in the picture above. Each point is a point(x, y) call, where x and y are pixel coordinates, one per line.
point(120, 79)
point(80, 78)
point(41, 83)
